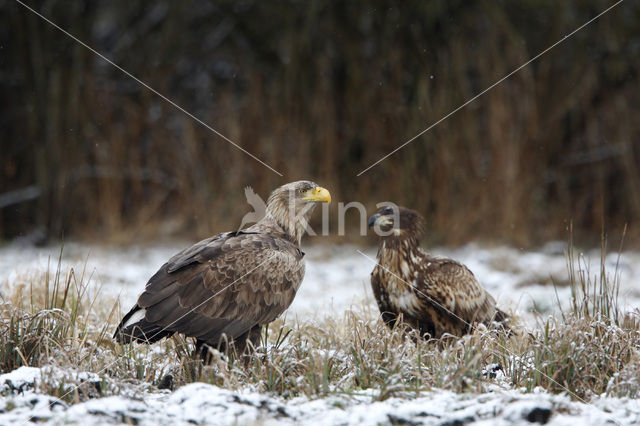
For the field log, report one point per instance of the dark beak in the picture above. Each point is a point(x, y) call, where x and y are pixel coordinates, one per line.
point(372, 220)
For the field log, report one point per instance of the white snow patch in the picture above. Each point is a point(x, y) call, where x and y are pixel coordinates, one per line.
point(26, 378)
point(200, 403)
point(19, 378)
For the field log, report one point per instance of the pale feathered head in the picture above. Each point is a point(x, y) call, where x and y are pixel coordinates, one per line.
point(291, 205)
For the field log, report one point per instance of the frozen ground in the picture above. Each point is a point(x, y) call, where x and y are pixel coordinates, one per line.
point(200, 403)
point(337, 278)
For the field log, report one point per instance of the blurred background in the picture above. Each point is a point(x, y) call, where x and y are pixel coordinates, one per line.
point(320, 90)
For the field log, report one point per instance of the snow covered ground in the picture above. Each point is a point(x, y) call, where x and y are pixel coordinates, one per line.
point(337, 278)
point(200, 403)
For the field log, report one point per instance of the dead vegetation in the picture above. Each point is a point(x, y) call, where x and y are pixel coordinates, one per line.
point(320, 92)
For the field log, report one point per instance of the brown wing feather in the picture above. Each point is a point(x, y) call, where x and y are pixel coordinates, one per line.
point(435, 295)
point(226, 284)
point(389, 314)
point(454, 286)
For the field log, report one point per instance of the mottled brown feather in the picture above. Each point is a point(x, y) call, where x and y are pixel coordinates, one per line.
point(434, 295)
point(225, 287)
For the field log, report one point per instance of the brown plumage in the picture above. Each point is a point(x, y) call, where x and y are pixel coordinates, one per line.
point(435, 295)
point(224, 288)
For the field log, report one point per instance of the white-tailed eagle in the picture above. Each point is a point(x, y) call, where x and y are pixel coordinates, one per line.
point(222, 290)
point(434, 295)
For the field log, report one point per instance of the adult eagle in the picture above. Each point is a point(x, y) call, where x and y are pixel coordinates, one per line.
point(223, 289)
point(435, 295)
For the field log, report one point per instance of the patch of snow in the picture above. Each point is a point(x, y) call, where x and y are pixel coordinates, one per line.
point(19, 378)
point(200, 403)
point(26, 378)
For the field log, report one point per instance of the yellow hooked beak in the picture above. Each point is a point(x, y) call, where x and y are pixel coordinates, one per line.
point(318, 194)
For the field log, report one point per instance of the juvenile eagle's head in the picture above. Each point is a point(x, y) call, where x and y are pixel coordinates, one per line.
point(397, 222)
point(291, 205)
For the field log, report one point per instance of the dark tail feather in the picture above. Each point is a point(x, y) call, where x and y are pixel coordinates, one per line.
point(141, 331)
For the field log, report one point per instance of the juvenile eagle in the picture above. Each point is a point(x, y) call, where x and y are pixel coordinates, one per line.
point(224, 288)
point(435, 295)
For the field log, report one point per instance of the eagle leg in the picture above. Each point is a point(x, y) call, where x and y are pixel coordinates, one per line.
point(237, 347)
